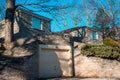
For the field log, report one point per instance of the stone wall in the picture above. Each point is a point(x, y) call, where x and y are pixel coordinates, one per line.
point(84, 66)
point(22, 65)
point(26, 53)
point(92, 67)
point(87, 66)
point(54, 39)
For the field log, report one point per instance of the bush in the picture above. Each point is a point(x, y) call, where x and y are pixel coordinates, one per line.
point(102, 51)
point(110, 42)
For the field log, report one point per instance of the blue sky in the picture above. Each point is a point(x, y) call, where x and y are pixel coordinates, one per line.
point(57, 21)
point(54, 23)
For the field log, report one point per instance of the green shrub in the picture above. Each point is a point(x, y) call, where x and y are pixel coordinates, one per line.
point(102, 51)
point(110, 42)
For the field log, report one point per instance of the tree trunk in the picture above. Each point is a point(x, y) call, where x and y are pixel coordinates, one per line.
point(9, 26)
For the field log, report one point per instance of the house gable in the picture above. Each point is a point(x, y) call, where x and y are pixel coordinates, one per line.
point(34, 21)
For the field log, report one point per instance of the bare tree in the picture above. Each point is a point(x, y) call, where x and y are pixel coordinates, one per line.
point(113, 7)
point(89, 10)
point(11, 7)
point(112, 10)
point(107, 14)
point(69, 17)
point(76, 15)
point(102, 20)
point(62, 15)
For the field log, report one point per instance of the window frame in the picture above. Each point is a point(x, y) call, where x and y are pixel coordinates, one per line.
point(94, 35)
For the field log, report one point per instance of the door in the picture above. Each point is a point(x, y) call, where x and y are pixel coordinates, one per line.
point(53, 61)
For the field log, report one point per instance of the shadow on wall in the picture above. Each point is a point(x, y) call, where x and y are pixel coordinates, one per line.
point(23, 30)
point(50, 62)
point(20, 67)
point(22, 59)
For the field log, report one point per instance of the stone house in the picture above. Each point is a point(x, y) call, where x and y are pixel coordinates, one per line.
point(40, 25)
point(32, 20)
point(27, 24)
point(84, 66)
point(84, 34)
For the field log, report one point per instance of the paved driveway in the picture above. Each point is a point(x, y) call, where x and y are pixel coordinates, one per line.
point(84, 79)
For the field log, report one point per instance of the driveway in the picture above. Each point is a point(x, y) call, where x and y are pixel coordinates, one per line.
point(83, 79)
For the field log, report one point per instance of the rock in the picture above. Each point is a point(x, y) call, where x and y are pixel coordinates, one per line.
point(8, 46)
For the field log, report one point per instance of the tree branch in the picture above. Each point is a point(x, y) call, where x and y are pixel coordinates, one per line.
point(103, 8)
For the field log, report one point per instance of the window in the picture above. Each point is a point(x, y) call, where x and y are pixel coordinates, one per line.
point(94, 35)
point(36, 23)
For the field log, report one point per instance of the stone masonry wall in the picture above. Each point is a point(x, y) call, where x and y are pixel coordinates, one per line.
point(84, 66)
point(87, 67)
point(93, 67)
